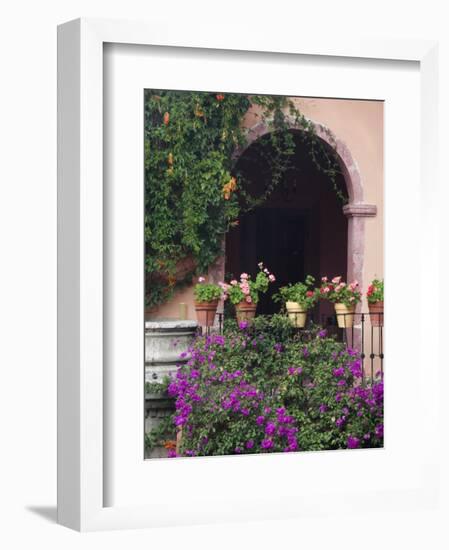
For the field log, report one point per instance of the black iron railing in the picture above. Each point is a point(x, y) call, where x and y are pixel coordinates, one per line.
point(360, 331)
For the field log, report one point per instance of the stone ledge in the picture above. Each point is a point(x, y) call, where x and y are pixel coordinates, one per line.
point(166, 324)
point(360, 210)
point(159, 401)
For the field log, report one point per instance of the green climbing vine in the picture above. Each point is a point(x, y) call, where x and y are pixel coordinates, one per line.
point(194, 190)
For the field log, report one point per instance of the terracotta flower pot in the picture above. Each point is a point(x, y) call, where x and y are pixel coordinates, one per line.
point(345, 315)
point(205, 312)
point(376, 313)
point(297, 314)
point(245, 311)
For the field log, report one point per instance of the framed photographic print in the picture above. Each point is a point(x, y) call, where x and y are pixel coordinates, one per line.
point(255, 203)
point(228, 214)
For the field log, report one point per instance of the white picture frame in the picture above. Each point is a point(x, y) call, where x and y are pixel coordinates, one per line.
point(81, 390)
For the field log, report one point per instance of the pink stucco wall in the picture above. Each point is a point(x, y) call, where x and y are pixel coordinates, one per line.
point(359, 126)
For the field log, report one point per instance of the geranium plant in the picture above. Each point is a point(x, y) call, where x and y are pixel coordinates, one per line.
point(302, 293)
point(248, 290)
point(375, 292)
point(206, 292)
point(339, 292)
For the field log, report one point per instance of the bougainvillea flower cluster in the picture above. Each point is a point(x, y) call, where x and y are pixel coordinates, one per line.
point(284, 394)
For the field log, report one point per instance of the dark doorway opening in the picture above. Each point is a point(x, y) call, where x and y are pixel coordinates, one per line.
point(299, 230)
point(275, 236)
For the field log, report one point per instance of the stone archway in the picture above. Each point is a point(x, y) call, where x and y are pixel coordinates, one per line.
point(356, 210)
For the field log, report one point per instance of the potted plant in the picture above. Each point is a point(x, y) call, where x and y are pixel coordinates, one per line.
point(375, 297)
point(298, 299)
point(207, 296)
point(244, 294)
point(344, 297)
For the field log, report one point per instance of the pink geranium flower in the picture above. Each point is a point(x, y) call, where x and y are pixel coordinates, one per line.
point(248, 299)
point(201, 279)
point(244, 287)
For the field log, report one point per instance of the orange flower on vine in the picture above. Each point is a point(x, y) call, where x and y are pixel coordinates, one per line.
point(229, 188)
point(198, 111)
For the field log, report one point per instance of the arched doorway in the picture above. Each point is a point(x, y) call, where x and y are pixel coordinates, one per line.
point(302, 228)
point(299, 230)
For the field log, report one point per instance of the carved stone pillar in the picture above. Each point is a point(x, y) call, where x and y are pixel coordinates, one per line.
point(356, 214)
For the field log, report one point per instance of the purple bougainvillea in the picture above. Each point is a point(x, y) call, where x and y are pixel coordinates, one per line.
point(353, 442)
point(280, 395)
